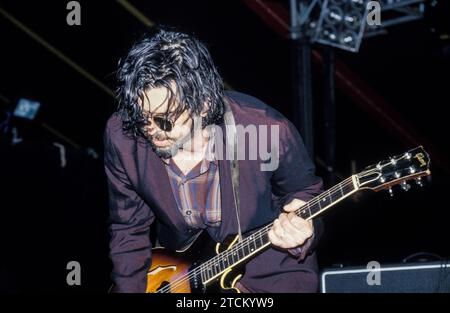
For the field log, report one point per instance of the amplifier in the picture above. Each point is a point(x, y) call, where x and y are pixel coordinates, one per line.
point(422, 277)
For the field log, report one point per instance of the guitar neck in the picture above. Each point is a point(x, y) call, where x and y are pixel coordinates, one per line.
point(328, 198)
point(260, 239)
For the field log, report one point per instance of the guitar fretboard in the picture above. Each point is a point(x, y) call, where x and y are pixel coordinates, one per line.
point(259, 239)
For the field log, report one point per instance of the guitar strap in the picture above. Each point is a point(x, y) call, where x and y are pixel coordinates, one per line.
point(232, 146)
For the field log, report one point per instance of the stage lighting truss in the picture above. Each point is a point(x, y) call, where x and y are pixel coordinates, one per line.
point(344, 23)
point(341, 24)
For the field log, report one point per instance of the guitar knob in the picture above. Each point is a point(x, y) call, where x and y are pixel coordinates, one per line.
point(391, 193)
point(405, 186)
point(419, 181)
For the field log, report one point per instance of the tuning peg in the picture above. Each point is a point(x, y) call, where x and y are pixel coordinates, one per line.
point(419, 181)
point(391, 193)
point(405, 186)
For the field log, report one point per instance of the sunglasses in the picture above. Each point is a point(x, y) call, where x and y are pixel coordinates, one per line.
point(162, 120)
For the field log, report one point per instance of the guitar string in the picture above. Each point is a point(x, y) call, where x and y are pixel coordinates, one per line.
point(262, 232)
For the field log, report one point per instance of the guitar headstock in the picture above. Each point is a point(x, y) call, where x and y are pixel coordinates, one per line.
point(413, 164)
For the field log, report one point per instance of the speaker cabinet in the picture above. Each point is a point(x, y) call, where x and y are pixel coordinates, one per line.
point(423, 277)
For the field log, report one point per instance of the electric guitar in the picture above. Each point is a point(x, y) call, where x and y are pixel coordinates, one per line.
point(182, 272)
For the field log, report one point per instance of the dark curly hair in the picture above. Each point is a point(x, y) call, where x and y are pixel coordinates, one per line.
point(158, 60)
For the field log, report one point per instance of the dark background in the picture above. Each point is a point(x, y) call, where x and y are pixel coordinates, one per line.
point(52, 215)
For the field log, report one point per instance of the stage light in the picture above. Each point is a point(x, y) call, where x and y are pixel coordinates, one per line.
point(330, 33)
point(344, 23)
point(347, 17)
point(353, 19)
point(334, 15)
point(27, 108)
point(348, 38)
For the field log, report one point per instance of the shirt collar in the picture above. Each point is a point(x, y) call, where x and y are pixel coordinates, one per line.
point(209, 150)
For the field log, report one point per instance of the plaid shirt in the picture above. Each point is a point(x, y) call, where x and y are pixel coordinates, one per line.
point(197, 193)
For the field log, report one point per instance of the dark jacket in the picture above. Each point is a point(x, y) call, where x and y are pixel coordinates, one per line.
point(140, 192)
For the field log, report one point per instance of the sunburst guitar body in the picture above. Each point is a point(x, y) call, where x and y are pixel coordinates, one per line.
point(177, 272)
